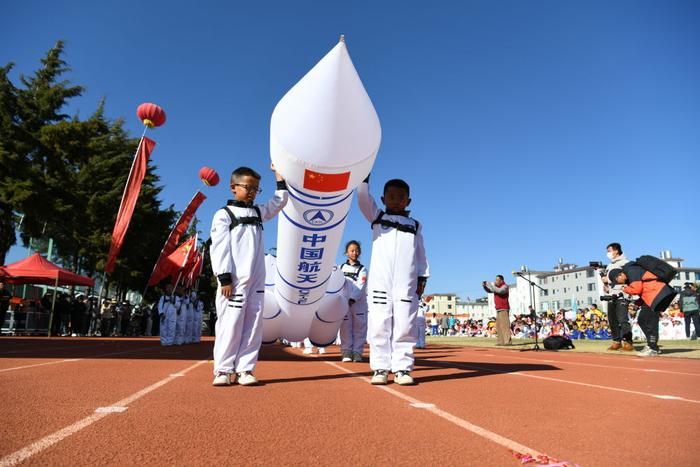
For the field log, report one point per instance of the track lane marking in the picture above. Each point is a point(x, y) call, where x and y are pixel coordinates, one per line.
point(598, 386)
point(39, 364)
point(578, 383)
point(110, 354)
point(600, 365)
point(432, 408)
point(48, 441)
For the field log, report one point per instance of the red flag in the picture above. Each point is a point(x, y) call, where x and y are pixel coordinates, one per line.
point(172, 264)
point(194, 269)
point(131, 194)
point(318, 181)
point(174, 237)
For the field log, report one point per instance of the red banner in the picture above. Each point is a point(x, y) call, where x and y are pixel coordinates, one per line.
point(182, 224)
point(131, 194)
point(318, 181)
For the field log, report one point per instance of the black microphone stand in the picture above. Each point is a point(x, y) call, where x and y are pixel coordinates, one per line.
point(533, 314)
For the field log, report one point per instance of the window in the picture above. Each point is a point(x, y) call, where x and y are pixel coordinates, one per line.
point(577, 288)
point(449, 306)
point(544, 293)
point(544, 306)
point(591, 287)
point(590, 301)
point(567, 303)
point(687, 276)
point(590, 273)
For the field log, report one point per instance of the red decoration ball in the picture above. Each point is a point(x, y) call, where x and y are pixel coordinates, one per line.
point(151, 115)
point(209, 176)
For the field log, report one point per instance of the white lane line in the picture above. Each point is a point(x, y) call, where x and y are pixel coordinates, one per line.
point(110, 354)
point(39, 364)
point(597, 386)
point(546, 378)
point(48, 441)
point(477, 430)
point(420, 405)
point(613, 367)
point(111, 409)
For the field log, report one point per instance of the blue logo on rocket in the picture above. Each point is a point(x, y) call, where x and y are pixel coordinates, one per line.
point(318, 216)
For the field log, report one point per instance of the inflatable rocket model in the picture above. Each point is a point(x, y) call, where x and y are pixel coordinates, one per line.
point(324, 137)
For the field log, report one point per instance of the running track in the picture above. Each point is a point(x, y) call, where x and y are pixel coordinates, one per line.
point(128, 401)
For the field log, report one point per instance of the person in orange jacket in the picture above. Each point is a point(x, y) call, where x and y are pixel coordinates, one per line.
point(655, 295)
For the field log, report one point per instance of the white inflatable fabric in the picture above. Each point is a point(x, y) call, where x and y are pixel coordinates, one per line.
point(324, 137)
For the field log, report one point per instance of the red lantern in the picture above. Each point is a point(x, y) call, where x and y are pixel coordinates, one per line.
point(151, 115)
point(209, 176)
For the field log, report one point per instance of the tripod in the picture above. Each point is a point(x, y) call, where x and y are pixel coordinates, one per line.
point(533, 312)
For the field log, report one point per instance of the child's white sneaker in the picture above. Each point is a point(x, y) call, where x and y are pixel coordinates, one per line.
point(347, 357)
point(308, 351)
point(246, 378)
point(222, 379)
point(403, 378)
point(321, 350)
point(380, 377)
point(356, 357)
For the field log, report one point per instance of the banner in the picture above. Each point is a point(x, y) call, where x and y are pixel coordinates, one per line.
point(131, 194)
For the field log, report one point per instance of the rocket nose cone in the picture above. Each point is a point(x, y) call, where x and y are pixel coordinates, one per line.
point(327, 118)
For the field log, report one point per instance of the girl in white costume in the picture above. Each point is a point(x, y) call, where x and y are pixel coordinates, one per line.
point(353, 330)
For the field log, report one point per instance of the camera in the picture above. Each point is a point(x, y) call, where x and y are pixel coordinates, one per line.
point(610, 298)
point(595, 264)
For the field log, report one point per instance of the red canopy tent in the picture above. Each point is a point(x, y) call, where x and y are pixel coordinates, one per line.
point(35, 269)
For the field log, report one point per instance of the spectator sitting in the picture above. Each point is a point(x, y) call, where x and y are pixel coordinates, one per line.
point(576, 334)
point(600, 332)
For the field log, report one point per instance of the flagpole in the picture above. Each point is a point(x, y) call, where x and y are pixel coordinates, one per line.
point(53, 305)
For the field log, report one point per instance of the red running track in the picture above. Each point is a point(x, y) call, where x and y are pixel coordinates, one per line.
point(471, 407)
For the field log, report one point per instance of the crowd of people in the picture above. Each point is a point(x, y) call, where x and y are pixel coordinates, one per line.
point(589, 323)
point(80, 316)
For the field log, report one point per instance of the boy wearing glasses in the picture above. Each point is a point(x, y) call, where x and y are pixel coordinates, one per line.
point(399, 273)
point(238, 261)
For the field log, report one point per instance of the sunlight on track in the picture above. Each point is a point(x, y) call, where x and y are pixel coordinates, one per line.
point(100, 413)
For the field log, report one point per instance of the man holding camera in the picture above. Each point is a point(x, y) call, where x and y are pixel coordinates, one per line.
point(689, 303)
point(499, 289)
point(618, 317)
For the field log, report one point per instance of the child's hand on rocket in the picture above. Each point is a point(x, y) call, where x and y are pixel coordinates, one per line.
point(278, 177)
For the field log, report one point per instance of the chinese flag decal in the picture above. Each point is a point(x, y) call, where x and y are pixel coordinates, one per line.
point(317, 181)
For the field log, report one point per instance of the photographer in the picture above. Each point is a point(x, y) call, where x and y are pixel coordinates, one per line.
point(620, 328)
point(689, 303)
point(656, 295)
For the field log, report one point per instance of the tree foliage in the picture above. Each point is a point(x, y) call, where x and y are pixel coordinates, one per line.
point(64, 177)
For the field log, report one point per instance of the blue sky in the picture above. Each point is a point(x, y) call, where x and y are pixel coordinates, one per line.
point(528, 130)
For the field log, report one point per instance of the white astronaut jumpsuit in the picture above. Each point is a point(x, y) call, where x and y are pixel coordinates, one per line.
point(238, 258)
point(181, 319)
point(353, 329)
point(398, 260)
point(189, 320)
point(197, 323)
point(420, 326)
point(166, 308)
